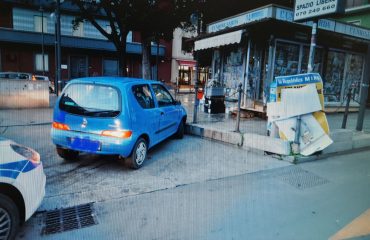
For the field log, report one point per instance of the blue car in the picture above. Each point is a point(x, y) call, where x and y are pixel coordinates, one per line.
point(115, 116)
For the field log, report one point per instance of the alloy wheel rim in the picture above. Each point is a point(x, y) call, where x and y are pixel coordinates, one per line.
point(140, 153)
point(5, 224)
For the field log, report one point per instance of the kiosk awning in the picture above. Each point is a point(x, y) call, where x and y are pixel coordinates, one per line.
point(220, 40)
point(189, 63)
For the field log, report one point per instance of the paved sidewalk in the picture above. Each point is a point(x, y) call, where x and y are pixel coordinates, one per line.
point(221, 127)
point(256, 125)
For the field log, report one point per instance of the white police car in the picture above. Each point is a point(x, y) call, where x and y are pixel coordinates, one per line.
point(22, 186)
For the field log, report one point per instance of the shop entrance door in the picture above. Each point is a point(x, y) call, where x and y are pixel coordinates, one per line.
point(78, 66)
point(253, 72)
point(184, 75)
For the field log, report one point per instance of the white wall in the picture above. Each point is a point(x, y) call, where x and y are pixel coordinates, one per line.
point(23, 94)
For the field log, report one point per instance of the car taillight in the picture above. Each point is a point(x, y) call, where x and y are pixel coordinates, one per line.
point(33, 78)
point(117, 133)
point(26, 152)
point(60, 126)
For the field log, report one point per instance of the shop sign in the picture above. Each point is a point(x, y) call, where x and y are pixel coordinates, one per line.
point(244, 18)
point(330, 25)
point(323, 24)
point(284, 15)
point(313, 9)
point(352, 30)
point(296, 81)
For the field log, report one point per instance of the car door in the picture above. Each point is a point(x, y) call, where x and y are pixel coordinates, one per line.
point(169, 113)
point(145, 116)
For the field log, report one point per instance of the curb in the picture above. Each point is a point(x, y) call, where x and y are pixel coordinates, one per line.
point(345, 142)
point(247, 141)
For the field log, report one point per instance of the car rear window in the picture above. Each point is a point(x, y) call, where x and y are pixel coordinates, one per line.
point(91, 100)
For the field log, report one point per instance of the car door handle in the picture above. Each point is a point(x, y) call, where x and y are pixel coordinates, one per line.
point(162, 113)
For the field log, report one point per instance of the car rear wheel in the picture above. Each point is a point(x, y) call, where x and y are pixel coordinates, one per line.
point(9, 218)
point(138, 155)
point(67, 154)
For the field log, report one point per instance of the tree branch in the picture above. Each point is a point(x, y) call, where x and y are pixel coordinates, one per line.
point(87, 15)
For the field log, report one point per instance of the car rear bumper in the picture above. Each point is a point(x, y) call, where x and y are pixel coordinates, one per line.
point(107, 145)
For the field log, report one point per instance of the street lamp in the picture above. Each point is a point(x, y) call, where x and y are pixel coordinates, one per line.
point(57, 45)
point(42, 42)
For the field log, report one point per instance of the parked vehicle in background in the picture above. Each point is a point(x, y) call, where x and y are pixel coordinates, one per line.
point(115, 116)
point(16, 75)
point(27, 76)
point(45, 78)
point(22, 186)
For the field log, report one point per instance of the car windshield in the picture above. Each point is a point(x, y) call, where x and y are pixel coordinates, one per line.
point(90, 100)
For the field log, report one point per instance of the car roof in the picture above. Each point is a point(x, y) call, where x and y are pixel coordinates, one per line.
point(114, 80)
point(15, 73)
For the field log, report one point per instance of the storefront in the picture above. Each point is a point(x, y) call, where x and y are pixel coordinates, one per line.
point(253, 48)
point(186, 72)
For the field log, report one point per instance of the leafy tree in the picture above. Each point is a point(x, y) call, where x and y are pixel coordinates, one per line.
point(117, 13)
point(154, 19)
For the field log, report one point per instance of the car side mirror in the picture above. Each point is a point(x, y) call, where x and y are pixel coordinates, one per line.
point(177, 102)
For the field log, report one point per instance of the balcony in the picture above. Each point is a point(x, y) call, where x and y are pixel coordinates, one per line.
point(35, 38)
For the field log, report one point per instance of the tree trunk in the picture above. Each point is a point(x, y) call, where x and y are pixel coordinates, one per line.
point(122, 60)
point(121, 46)
point(145, 62)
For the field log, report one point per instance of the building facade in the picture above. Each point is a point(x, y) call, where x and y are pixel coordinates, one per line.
point(358, 13)
point(243, 53)
point(27, 36)
point(182, 63)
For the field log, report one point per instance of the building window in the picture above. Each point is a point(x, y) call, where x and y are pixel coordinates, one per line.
point(79, 30)
point(344, 70)
point(108, 29)
point(41, 24)
point(355, 22)
point(356, 3)
point(186, 45)
point(286, 59)
point(78, 66)
point(110, 67)
point(39, 66)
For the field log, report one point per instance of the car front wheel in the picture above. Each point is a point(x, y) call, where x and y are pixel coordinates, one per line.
point(67, 154)
point(138, 155)
point(9, 218)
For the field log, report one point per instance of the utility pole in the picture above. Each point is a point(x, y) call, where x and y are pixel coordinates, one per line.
point(157, 58)
point(311, 59)
point(58, 46)
point(196, 87)
point(42, 41)
point(364, 92)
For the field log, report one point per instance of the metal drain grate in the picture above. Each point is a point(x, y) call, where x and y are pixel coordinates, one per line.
point(300, 178)
point(66, 219)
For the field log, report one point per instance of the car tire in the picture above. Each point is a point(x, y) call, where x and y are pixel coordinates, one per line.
point(8, 213)
point(180, 130)
point(138, 154)
point(67, 154)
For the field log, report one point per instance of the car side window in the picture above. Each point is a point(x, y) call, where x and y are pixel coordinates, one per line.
point(163, 97)
point(143, 96)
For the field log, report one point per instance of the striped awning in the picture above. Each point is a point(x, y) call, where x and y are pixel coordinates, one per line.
point(219, 40)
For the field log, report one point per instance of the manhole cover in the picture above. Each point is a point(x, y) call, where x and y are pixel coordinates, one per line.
point(303, 179)
point(66, 219)
point(300, 178)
